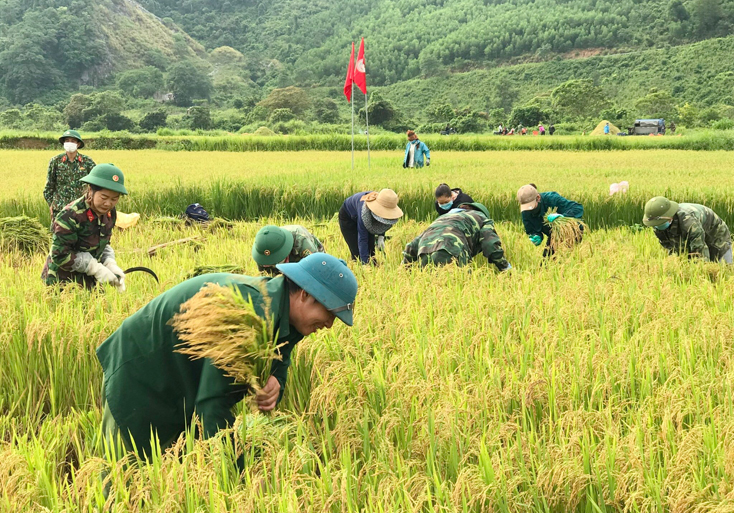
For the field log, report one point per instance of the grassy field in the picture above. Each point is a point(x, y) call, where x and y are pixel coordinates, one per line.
point(600, 382)
point(248, 186)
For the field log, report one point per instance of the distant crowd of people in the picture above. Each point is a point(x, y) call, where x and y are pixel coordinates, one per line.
point(522, 130)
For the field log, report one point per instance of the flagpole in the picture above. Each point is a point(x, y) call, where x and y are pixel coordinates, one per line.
point(352, 100)
point(367, 121)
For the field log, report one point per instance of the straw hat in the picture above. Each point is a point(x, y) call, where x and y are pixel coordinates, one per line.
point(383, 204)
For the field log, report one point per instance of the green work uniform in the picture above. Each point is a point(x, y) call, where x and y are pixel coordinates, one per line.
point(533, 219)
point(698, 231)
point(77, 229)
point(62, 182)
point(151, 388)
point(457, 237)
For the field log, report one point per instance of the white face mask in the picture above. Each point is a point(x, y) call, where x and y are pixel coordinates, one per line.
point(70, 147)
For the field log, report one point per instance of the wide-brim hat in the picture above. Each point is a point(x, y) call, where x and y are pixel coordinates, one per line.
point(479, 207)
point(272, 245)
point(659, 210)
point(383, 204)
point(106, 176)
point(328, 280)
point(527, 196)
point(72, 133)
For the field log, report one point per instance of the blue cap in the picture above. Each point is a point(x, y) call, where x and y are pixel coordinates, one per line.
point(328, 280)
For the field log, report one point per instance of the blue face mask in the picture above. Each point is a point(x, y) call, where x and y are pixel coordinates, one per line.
point(446, 206)
point(662, 227)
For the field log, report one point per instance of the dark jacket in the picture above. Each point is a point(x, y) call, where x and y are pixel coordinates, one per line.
point(149, 386)
point(533, 219)
point(353, 205)
point(460, 199)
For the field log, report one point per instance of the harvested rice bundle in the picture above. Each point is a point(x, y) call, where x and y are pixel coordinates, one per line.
point(220, 324)
point(209, 269)
point(566, 232)
point(24, 234)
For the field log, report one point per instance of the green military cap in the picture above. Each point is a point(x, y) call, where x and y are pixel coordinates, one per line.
point(478, 206)
point(75, 135)
point(659, 210)
point(272, 245)
point(107, 176)
point(328, 280)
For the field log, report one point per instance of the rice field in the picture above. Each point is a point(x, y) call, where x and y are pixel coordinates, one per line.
point(600, 382)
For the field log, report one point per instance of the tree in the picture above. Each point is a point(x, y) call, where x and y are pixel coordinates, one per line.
point(579, 99)
point(529, 115)
point(199, 116)
point(74, 110)
point(707, 14)
point(141, 83)
point(677, 11)
point(656, 104)
point(326, 110)
point(380, 110)
point(281, 115)
point(226, 56)
point(188, 81)
point(293, 98)
point(152, 121)
point(11, 118)
point(441, 113)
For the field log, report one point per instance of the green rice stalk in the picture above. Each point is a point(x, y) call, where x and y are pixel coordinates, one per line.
point(24, 234)
point(566, 231)
point(220, 324)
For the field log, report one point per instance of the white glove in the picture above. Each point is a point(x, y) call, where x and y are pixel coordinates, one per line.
point(381, 242)
point(121, 284)
point(112, 266)
point(101, 273)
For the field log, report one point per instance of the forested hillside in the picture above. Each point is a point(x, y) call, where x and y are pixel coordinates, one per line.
point(412, 38)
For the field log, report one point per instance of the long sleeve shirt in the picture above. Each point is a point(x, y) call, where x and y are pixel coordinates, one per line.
point(353, 205)
point(533, 219)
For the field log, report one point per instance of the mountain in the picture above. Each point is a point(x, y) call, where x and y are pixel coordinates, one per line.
point(50, 48)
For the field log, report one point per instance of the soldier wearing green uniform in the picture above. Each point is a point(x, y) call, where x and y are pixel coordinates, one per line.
point(80, 247)
point(63, 182)
point(458, 237)
point(151, 388)
point(277, 245)
point(689, 228)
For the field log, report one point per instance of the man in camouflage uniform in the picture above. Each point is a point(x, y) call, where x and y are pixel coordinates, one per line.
point(689, 228)
point(288, 244)
point(80, 248)
point(458, 237)
point(64, 171)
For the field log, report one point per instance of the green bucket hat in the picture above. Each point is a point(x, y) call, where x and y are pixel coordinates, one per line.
point(75, 135)
point(480, 207)
point(272, 245)
point(107, 176)
point(659, 210)
point(328, 280)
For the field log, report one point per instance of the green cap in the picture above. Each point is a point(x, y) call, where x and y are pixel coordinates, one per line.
point(272, 245)
point(478, 206)
point(659, 210)
point(75, 135)
point(328, 280)
point(107, 176)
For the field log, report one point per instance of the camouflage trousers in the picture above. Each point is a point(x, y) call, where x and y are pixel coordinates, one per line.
point(440, 258)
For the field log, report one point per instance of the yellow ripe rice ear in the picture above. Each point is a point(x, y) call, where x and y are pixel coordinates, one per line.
point(566, 231)
point(24, 234)
point(220, 324)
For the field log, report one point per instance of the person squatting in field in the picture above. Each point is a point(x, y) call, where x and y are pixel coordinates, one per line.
point(149, 387)
point(534, 206)
point(364, 218)
point(63, 180)
point(458, 237)
point(80, 246)
point(689, 228)
point(280, 245)
point(447, 198)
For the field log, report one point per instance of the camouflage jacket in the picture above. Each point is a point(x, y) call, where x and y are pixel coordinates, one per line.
point(698, 231)
point(77, 229)
point(304, 243)
point(62, 183)
point(463, 235)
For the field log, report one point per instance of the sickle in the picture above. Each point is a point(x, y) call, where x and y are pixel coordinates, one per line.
point(143, 269)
